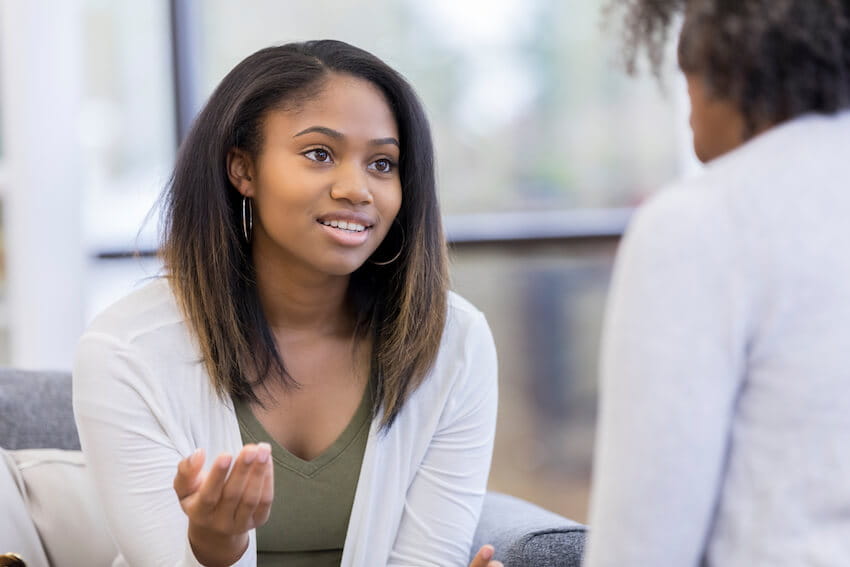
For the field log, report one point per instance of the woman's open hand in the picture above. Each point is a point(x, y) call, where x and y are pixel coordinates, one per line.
point(222, 508)
point(483, 558)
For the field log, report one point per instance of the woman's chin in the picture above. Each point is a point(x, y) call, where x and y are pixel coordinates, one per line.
point(343, 266)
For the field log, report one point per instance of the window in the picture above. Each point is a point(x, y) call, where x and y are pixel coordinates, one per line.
point(128, 138)
point(87, 144)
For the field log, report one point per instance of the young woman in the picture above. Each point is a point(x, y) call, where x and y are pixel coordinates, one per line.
point(300, 388)
point(725, 409)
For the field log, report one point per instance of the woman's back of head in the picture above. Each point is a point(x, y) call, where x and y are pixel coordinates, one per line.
point(773, 59)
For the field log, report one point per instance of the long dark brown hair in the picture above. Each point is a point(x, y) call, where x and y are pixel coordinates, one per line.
point(401, 306)
point(774, 59)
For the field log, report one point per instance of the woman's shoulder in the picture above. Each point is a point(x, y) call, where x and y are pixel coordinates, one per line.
point(142, 312)
point(458, 303)
point(467, 338)
point(142, 337)
point(462, 316)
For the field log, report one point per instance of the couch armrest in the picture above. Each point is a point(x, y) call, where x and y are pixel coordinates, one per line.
point(60, 505)
point(526, 535)
point(18, 533)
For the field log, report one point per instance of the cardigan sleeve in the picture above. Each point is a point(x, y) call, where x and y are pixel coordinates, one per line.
point(443, 502)
point(124, 434)
point(671, 367)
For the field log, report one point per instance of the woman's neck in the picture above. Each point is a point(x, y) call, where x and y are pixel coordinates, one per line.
point(296, 301)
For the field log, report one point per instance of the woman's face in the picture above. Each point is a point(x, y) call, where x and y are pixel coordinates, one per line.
point(325, 186)
point(718, 126)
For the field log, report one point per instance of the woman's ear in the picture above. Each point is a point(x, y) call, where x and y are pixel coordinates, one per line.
point(240, 171)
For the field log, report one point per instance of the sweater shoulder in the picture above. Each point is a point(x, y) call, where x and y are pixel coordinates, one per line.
point(139, 313)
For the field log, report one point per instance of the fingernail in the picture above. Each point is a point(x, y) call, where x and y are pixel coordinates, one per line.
point(487, 552)
point(248, 455)
point(195, 457)
point(224, 460)
point(263, 452)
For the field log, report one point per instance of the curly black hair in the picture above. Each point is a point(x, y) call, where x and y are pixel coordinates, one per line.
point(773, 59)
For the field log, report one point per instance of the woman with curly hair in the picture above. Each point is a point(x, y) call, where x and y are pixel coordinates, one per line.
point(725, 372)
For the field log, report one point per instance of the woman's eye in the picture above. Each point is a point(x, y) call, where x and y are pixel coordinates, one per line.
point(383, 165)
point(319, 155)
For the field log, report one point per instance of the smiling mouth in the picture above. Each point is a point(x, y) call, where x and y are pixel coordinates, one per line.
point(346, 226)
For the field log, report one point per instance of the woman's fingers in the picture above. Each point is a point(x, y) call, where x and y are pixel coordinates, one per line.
point(209, 494)
point(232, 492)
point(484, 556)
point(188, 477)
point(261, 513)
point(227, 499)
point(253, 487)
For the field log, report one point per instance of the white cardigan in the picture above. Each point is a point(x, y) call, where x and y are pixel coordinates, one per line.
point(143, 401)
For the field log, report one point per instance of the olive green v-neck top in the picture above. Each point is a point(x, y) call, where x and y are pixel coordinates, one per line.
point(312, 499)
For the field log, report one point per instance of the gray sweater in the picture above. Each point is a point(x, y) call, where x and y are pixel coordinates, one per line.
point(724, 428)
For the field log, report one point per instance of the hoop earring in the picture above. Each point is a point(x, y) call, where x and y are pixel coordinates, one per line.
point(247, 219)
point(397, 254)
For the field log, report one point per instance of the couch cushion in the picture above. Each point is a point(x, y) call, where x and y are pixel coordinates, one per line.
point(61, 501)
point(36, 410)
point(526, 535)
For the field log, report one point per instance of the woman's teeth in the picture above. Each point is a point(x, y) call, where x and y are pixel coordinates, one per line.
point(350, 226)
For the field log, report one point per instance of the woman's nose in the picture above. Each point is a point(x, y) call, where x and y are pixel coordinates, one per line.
point(351, 184)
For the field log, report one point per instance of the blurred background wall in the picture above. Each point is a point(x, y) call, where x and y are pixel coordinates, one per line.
point(544, 147)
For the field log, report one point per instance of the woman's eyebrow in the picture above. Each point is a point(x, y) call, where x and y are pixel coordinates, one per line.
point(321, 130)
point(384, 142)
point(330, 132)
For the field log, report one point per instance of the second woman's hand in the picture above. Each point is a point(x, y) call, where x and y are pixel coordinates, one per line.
point(483, 558)
point(223, 507)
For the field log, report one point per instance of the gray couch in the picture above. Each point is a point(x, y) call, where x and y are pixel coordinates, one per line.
point(50, 516)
